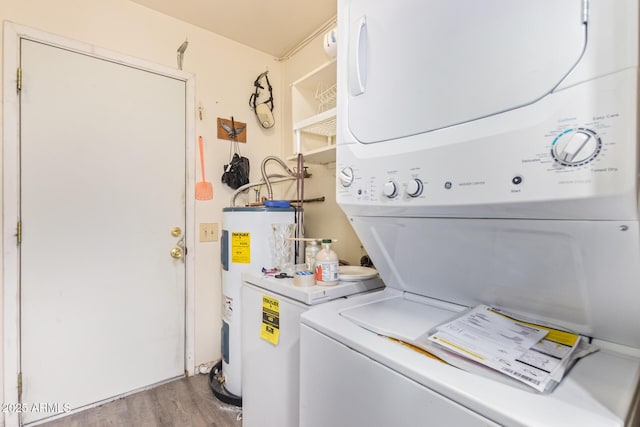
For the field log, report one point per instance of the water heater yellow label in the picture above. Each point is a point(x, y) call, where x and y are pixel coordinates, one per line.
point(270, 330)
point(241, 248)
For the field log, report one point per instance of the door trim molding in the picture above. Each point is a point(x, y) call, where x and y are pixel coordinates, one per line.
point(13, 33)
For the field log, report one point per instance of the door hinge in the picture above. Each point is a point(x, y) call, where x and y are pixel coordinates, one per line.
point(19, 233)
point(20, 387)
point(19, 79)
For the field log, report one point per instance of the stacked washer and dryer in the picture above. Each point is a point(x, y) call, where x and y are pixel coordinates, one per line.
point(487, 154)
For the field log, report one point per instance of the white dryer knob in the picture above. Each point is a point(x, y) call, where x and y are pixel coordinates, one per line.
point(576, 148)
point(346, 177)
point(415, 187)
point(390, 189)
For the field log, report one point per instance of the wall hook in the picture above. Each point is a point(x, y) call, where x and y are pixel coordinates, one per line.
point(181, 50)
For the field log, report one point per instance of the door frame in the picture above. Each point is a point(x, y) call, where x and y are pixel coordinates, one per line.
point(13, 33)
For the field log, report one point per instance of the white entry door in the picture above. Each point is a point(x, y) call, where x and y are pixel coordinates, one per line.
point(102, 180)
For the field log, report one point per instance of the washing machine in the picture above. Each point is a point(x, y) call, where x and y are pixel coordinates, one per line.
point(270, 341)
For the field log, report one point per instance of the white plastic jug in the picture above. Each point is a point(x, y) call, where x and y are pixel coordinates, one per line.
point(326, 265)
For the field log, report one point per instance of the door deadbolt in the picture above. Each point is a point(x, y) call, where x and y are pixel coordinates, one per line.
point(176, 231)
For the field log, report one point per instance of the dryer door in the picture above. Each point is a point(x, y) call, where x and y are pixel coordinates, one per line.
point(461, 60)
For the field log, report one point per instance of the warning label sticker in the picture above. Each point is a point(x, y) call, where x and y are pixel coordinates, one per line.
point(270, 330)
point(241, 248)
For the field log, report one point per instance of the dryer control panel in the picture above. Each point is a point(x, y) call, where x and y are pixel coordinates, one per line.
point(566, 156)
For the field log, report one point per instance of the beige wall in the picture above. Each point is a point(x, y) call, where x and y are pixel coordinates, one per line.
point(224, 74)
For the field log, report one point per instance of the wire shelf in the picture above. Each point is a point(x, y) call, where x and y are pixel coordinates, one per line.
point(326, 97)
point(325, 128)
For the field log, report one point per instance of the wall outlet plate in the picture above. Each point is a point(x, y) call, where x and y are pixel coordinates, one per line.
point(208, 232)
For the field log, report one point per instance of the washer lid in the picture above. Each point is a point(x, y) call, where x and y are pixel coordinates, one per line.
point(580, 275)
point(431, 64)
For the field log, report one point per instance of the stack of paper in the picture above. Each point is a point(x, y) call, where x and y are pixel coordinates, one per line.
point(482, 338)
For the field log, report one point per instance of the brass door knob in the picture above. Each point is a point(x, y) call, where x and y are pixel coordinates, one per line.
point(176, 252)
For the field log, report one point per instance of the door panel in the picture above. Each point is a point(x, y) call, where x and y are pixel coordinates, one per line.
point(102, 185)
point(431, 63)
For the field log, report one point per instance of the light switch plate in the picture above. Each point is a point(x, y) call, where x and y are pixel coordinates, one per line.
point(208, 232)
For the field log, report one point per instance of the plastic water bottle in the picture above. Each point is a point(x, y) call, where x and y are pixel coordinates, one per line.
point(310, 252)
point(326, 265)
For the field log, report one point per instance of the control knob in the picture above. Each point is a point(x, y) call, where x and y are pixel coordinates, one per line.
point(415, 187)
point(576, 147)
point(346, 176)
point(390, 189)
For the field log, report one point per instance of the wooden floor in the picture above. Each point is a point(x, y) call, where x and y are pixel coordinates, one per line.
point(184, 402)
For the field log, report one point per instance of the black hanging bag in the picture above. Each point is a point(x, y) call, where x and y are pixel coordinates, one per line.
point(236, 172)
